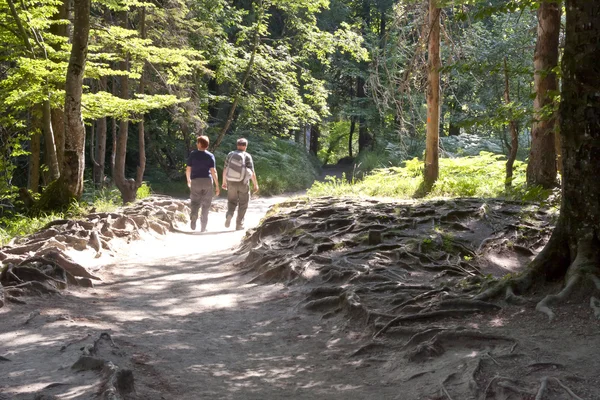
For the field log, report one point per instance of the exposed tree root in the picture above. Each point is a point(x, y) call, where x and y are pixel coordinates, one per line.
point(41, 257)
point(544, 387)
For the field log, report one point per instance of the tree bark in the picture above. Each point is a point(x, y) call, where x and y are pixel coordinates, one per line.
point(74, 155)
point(58, 114)
point(573, 251)
point(351, 135)
point(514, 133)
point(431, 171)
point(541, 169)
point(125, 186)
point(365, 140)
point(315, 134)
point(139, 177)
point(100, 147)
point(33, 183)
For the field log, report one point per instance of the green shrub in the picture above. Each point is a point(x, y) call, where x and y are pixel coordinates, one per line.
point(480, 176)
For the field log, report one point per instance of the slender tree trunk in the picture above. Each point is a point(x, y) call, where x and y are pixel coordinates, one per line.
point(351, 135)
point(365, 140)
point(573, 251)
point(33, 183)
point(100, 148)
point(125, 186)
point(541, 169)
point(315, 134)
point(58, 114)
point(514, 133)
point(47, 129)
point(431, 171)
point(139, 177)
point(74, 155)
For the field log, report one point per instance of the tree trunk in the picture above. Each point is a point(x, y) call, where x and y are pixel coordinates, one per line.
point(33, 183)
point(365, 140)
point(573, 251)
point(431, 171)
point(315, 134)
point(541, 169)
point(100, 148)
point(514, 133)
point(125, 186)
point(74, 155)
point(139, 176)
point(58, 114)
point(51, 155)
point(351, 135)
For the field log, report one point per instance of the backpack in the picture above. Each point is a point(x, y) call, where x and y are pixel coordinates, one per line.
point(236, 169)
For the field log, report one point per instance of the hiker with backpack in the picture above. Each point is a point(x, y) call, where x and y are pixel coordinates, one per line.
point(201, 174)
point(237, 174)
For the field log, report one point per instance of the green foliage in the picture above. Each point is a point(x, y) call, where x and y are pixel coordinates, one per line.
point(481, 176)
point(281, 165)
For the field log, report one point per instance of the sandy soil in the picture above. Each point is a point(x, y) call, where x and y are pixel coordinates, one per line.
point(184, 319)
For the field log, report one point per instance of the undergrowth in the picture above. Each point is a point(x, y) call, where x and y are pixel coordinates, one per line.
point(479, 176)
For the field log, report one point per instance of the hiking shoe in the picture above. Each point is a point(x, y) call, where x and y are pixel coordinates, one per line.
point(193, 224)
point(239, 227)
point(228, 220)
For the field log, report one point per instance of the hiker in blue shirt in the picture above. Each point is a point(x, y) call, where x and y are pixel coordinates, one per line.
point(201, 175)
point(237, 174)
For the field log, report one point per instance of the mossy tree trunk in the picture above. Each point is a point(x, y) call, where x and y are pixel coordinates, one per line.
point(541, 169)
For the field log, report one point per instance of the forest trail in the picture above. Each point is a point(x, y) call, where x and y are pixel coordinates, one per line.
point(184, 320)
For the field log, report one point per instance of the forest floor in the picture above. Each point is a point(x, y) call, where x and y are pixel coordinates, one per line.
point(303, 310)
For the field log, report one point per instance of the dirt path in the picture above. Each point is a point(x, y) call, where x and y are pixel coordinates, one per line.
point(184, 320)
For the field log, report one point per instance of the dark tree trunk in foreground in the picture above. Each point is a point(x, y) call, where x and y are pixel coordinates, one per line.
point(514, 133)
point(541, 169)
point(573, 252)
point(434, 65)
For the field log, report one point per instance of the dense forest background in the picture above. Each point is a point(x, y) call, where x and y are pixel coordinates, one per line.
point(309, 82)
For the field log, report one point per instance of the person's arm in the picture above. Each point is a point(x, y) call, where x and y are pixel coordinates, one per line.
point(188, 174)
point(250, 166)
point(215, 175)
point(255, 182)
point(224, 186)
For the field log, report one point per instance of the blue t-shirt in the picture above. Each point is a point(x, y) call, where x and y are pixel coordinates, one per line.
point(201, 163)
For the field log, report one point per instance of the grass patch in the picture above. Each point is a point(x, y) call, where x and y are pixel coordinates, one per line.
point(480, 176)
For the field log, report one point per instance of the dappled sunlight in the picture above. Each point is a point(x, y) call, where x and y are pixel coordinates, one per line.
point(23, 339)
point(497, 322)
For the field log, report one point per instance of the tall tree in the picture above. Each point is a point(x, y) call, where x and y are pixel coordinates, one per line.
point(71, 179)
point(434, 65)
point(513, 147)
point(541, 169)
point(573, 251)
